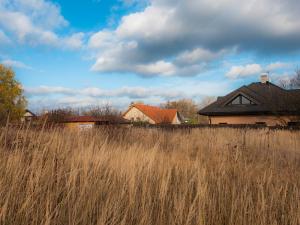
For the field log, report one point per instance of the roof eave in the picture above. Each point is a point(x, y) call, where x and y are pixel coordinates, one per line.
point(281, 113)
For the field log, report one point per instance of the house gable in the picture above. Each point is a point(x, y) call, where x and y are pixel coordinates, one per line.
point(269, 99)
point(152, 114)
point(134, 114)
point(241, 99)
point(177, 119)
point(29, 113)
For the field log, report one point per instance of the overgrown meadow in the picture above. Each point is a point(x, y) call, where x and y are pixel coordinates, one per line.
point(212, 176)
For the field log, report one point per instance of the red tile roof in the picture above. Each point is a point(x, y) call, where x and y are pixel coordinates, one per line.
point(157, 114)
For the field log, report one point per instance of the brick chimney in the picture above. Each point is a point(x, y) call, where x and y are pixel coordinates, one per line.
point(264, 78)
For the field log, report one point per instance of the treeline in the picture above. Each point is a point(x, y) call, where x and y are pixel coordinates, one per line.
point(61, 114)
point(13, 105)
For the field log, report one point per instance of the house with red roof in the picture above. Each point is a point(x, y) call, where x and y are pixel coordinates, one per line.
point(152, 114)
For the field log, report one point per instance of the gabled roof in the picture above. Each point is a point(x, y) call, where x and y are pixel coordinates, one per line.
point(269, 99)
point(28, 111)
point(157, 114)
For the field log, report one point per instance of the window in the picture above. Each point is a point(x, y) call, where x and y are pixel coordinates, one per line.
point(236, 101)
point(241, 100)
point(245, 101)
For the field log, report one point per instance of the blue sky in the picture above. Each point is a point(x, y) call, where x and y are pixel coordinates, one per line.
point(95, 52)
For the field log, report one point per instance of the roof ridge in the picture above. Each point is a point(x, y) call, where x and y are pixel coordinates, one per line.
point(152, 106)
point(156, 113)
point(272, 98)
point(255, 93)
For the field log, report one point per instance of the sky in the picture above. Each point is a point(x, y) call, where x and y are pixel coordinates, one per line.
point(98, 52)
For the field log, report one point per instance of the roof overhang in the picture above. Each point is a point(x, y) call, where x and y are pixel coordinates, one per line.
point(267, 113)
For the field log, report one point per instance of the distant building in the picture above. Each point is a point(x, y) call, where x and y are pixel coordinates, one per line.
point(28, 116)
point(87, 122)
point(151, 114)
point(257, 103)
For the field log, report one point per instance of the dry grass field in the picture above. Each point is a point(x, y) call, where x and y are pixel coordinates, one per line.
point(214, 176)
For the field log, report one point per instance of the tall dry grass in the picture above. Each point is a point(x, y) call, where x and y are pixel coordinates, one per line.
point(138, 176)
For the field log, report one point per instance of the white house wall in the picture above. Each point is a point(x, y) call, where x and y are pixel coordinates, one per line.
point(28, 114)
point(176, 119)
point(137, 115)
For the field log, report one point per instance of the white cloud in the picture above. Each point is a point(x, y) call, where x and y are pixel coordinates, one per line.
point(244, 71)
point(129, 92)
point(115, 55)
point(187, 36)
point(255, 69)
point(166, 20)
point(102, 39)
point(46, 90)
point(43, 13)
point(75, 41)
point(164, 92)
point(198, 55)
point(35, 22)
point(278, 65)
point(15, 64)
point(53, 97)
point(77, 102)
point(161, 67)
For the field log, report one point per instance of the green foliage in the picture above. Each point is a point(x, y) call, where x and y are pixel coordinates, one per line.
point(12, 101)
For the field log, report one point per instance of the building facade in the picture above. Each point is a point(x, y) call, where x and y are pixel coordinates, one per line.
point(28, 116)
point(258, 103)
point(151, 114)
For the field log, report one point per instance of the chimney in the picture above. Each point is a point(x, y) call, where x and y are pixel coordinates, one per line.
point(264, 78)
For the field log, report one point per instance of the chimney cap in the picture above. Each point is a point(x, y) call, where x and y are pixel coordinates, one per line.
point(264, 78)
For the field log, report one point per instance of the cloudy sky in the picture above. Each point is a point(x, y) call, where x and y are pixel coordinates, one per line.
point(93, 52)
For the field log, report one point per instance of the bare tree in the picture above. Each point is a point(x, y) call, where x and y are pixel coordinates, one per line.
point(98, 111)
point(291, 83)
point(106, 112)
point(295, 81)
point(293, 99)
point(207, 100)
point(284, 83)
point(187, 108)
point(59, 115)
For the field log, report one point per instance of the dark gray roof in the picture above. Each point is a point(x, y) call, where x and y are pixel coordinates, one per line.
point(269, 99)
point(27, 110)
